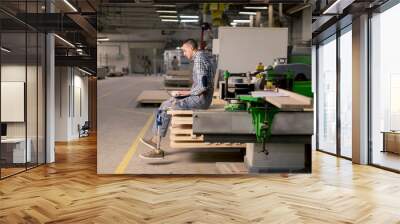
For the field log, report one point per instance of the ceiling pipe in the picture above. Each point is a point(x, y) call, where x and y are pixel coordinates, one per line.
point(271, 21)
point(258, 19)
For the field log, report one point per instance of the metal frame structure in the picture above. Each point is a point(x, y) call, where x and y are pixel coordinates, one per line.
point(44, 75)
point(337, 29)
point(382, 8)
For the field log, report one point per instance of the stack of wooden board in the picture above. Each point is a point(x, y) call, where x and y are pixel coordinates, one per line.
point(286, 100)
point(184, 73)
point(152, 97)
point(181, 133)
point(178, 78)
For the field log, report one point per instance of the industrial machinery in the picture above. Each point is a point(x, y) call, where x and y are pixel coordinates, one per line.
point(294, 77)
point(277, 125)
point(239, 85)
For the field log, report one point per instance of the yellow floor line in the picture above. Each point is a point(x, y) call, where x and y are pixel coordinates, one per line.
point(128, 156)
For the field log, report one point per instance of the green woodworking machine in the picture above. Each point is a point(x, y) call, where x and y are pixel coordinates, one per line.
point(278, 138)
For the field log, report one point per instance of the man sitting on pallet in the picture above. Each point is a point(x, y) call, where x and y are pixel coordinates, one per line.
point(199, 97)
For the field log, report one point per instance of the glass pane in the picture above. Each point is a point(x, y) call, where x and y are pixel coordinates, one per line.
point(31, 100)
point(41, 99)
point(13, 86)
point(327, 96)
point(385, 86)
point(346, 94)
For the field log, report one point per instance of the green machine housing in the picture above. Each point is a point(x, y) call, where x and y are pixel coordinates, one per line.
point(295, 77)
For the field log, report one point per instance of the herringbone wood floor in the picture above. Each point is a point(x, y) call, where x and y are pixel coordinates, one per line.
point(69, 191)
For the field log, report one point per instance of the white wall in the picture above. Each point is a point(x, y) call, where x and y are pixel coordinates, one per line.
point(69, 82)
point(242, 48)
point(12, 73)
point(33, 126)
point(61, 103)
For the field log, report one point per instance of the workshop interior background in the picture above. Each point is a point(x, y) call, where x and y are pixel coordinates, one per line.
point(261, 123)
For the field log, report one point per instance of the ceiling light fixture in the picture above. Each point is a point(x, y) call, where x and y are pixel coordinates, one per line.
point(103, 39)
point(70, 5)
point(65, 41)
point(335, 8)
point(169, 17)
point(241, 21)
point(188, 17)
point(256, 7)
point(189, 21)
point(165, 6)
point(170, 20)
point(5, 50)
point(167, 11)
point(248, 13)
point(86, 72)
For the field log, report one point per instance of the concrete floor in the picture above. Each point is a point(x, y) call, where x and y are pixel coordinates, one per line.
point(120, 120)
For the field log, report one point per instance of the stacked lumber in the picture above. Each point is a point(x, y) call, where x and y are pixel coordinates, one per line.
point(152, 97)
point(181, 73)
point(178, 78)
point(286, 100)
point(181, 133)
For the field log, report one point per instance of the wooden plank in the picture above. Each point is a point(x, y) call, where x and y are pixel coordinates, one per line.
point(152, 96)
point(178, 131)
point(306, 100)
point(181, 73)
point(187, 138)
point(172, 88)
point(181, 120)
point(204, 145)
point(181, 126)
point(177, 80)
point(292, 101)
point(180, 112)
point(285, 103)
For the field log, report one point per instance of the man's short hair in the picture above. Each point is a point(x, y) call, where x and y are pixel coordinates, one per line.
point(191, 42)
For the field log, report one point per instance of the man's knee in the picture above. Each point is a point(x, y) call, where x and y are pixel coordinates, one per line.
point(166, 104)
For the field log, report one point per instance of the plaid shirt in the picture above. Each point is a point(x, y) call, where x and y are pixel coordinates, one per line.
point(202, 74)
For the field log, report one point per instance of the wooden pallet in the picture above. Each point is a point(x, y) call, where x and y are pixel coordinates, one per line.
point(181, 133)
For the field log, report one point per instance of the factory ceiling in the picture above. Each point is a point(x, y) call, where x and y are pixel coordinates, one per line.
point(122, 16)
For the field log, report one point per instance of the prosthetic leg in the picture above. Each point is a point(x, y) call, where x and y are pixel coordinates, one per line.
point(159, 123)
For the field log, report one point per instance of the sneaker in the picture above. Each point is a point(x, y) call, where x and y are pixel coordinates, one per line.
point(148, 143)
point(152, 155)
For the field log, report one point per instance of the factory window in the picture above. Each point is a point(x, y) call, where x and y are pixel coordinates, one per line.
point(345, 59)
point(385, 89)
point(326, 89)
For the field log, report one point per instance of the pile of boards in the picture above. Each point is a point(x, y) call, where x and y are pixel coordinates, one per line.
point(181, 133)
point(174, 80)
point(152, 97)
point(181, 78)
point(286, 100)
